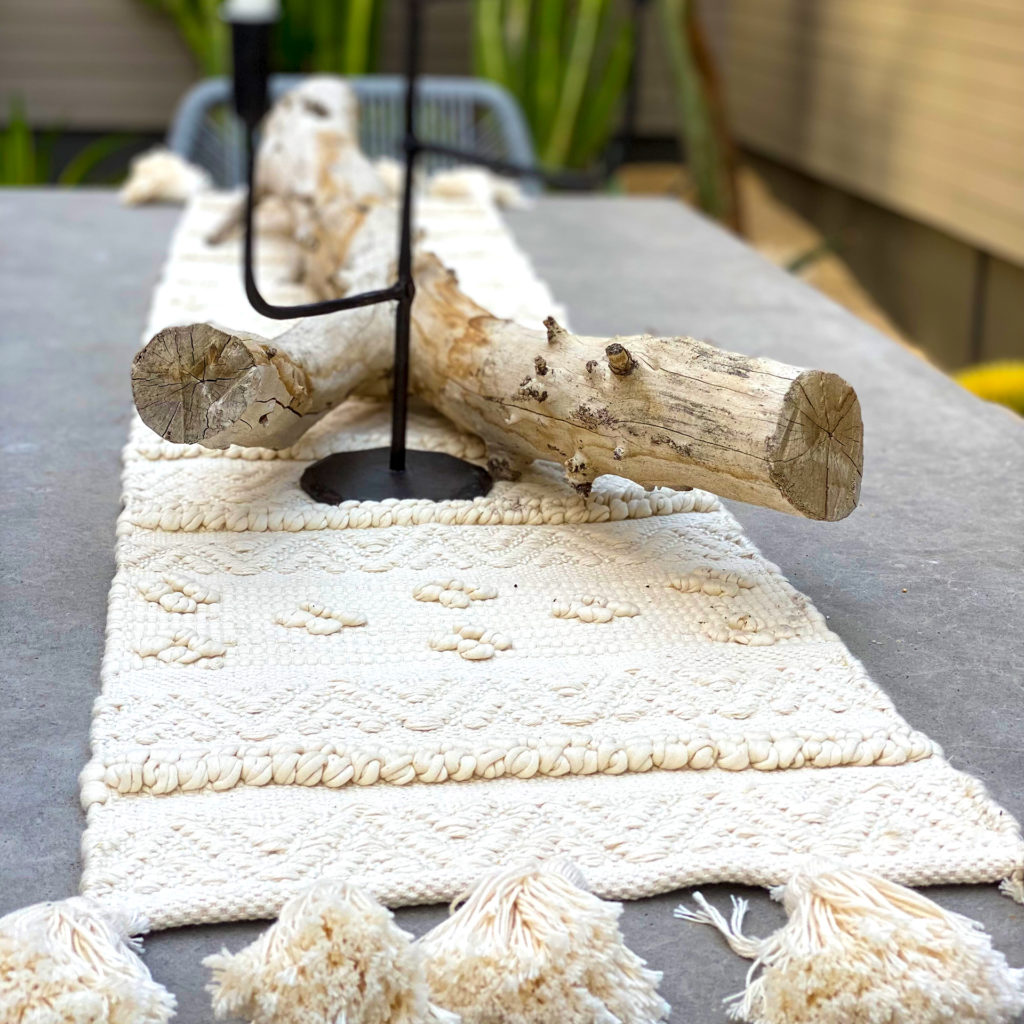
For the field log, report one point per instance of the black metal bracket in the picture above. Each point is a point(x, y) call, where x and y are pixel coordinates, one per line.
point(394, 471)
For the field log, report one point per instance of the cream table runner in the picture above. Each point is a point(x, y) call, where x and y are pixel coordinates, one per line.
point(410, 693)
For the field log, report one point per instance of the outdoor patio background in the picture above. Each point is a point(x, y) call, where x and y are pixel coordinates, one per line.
point(896, 126)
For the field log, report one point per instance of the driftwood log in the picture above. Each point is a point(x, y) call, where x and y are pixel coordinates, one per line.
point(668, 412)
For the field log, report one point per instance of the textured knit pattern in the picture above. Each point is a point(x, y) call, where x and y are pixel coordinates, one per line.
point(408, 693)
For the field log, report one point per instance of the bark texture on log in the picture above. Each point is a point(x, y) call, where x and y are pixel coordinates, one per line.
point(672, 412)
point(665, 412)
point(216, 386)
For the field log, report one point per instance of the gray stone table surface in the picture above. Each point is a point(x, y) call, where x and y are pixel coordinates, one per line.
point(923, 581)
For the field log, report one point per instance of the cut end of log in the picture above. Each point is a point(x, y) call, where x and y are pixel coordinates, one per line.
point(817, 453)
point(198, 383)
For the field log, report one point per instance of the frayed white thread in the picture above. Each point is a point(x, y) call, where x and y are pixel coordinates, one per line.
point(334, 954)
point(858, 949)
point(71, 962)
point(531, 946)
point(732, 929)
point(1014, 886)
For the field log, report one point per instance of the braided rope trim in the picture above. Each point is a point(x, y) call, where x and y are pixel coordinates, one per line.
point(495, 510)
point(340, 431)
point(164, 772)
point(202, 857)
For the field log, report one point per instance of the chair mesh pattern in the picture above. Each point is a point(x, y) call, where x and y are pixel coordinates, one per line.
point(471, 114)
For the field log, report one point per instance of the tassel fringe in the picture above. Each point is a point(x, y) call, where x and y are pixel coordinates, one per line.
point(71, 962)
point(1014, 886)
point(532, 946)
point(732, 930)
point(858, 949)
point(333, 955)
point(529, 945)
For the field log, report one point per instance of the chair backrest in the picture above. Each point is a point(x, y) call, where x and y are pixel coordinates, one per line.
point(470, 113)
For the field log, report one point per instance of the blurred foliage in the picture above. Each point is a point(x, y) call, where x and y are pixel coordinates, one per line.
point(702, 127)
point(201, 27)
point(25, 160)
point(1001, 382)
point(566, 62)
point(21, 160)
point(342, 36)
point(339, 36)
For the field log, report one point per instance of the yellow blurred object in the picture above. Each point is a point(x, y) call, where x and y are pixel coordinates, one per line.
point(1001, 382)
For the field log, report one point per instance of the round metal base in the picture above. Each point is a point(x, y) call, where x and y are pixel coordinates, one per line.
point(367, 476)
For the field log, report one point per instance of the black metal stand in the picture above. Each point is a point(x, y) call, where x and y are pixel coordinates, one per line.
point(394, 472)
point(369, 475)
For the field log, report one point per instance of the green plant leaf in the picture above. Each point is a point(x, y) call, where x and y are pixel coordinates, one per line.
point(577, 67)
point(380, 14)
point(331, 36)
point(201, 27)
point(706, 154)
point(18, 164)
point(566, 61)
point(600, 112)
point(81, 165)
point(489, 56)
point(358, 32)
point(215, 31)
point(547, 45)
point(324, 38)
point(516, 33)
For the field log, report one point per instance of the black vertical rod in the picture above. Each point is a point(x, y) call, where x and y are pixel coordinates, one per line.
point(406, 285)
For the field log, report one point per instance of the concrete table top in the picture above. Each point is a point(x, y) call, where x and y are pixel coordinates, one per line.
point(924, 581)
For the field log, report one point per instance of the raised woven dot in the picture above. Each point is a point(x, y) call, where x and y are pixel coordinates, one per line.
point(318, 620)
point(593, 609)
point(473, 643)
point(453, 593)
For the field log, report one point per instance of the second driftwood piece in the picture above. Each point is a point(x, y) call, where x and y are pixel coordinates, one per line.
point(664, 412)
point(672, 412)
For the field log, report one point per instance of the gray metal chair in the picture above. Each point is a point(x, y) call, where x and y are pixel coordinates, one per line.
point(470, 113)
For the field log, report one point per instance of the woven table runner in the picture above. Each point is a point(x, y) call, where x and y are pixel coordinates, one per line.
point(411, 693)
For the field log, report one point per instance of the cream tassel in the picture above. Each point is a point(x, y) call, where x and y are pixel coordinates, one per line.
point(531, 946)
point(858, 949)
point(1014, 886)
point(334, 956)
point(72, 962)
